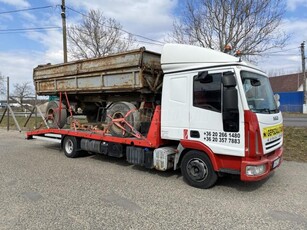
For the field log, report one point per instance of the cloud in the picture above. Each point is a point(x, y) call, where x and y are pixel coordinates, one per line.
point(292, 5)
point(287, 60)
point(296, 26)
point(151, 18)
point(4, 18)
point(18, 66)
point(17, 3)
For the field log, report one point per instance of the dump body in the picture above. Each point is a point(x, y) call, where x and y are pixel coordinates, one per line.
point(133, 71)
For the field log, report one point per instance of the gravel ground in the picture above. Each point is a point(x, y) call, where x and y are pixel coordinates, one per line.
point(42, 189)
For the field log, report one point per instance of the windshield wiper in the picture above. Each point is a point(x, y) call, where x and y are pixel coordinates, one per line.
point(263, 110)
point(274, 110)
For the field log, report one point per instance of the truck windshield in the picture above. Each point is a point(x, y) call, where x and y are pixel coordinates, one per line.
point(258, 93)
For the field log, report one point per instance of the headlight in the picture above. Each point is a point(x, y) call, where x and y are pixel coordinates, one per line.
point(255, 170)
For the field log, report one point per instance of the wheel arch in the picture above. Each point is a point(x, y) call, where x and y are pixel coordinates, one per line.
point(187, 145)
point(62, 140)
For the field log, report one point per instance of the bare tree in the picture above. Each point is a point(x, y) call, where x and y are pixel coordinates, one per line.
point(251, 26)
point(23, 90)
point(97, 36)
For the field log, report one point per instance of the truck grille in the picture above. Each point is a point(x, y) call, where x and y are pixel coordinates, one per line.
point(272, 144)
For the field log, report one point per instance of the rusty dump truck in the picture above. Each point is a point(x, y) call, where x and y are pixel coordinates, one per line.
point(203, 111)
point(134, 76)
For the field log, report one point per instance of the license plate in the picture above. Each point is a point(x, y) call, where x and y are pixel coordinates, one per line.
point(276, 163)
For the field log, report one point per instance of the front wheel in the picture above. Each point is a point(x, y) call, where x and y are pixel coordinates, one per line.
point(70, 147)
point(197, 170)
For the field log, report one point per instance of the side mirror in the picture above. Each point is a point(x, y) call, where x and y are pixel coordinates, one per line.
point(230, 99)
point(277, 98)
point(255, 82)
point(229, 80)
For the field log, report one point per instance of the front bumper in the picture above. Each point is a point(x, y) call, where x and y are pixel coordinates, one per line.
point(270, 162)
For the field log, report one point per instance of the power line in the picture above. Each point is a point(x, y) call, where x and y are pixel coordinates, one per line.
point(127, 39)
point(281, 51)
point(281, 55)
point(125, 31)
point(150, 43)
point(25, 30)
point(31, 29)
point(10, 31)
point(26, 9)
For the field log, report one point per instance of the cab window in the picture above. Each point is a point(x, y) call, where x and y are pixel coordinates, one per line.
point(207, 91)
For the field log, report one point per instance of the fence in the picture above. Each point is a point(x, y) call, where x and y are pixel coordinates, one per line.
point(291, 101)
point(12, 108)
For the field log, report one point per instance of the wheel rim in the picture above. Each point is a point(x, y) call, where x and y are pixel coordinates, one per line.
point(118, 115)
point(197, 169)
point(69, 146)
point(50, 116)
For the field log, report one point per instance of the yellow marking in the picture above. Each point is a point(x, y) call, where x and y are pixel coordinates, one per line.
point(272, 131)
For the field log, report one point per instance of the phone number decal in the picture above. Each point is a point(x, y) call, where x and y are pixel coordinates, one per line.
point(222, 137)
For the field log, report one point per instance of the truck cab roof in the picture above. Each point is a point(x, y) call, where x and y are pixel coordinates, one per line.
point(180, 57)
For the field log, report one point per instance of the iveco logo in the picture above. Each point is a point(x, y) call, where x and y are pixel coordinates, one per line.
point(275, 118)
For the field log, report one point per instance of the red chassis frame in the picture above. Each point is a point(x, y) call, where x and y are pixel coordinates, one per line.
point(152, 140)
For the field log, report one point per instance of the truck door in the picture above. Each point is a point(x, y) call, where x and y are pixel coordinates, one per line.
point(216, 115)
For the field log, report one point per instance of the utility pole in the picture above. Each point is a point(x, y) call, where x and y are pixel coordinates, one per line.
point(63, 15)
point(8, 102)
point(304, 76)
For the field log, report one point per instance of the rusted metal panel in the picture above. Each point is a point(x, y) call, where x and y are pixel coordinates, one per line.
point(66, 84)
point(89, 82)
point(45, 86)
point(133, 70)
point(123, 80)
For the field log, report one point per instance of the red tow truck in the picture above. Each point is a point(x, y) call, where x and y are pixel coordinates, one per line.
point(203, 111)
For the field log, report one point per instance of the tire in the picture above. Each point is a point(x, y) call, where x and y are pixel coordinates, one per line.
point(119, 110)
point(52, 114)
point(197, 170)
point(70, 146)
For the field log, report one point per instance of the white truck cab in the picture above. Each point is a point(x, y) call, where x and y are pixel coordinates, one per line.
point(222, 108)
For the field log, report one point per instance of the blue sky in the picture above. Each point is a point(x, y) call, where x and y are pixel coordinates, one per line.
point(20, 51)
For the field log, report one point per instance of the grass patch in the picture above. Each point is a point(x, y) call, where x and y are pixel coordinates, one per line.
point(21, 121)
point(295, 144)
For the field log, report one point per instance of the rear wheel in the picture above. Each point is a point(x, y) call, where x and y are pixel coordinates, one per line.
point(197, 170)
point(55, 118)
point(70, 145)
point(119, 110)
